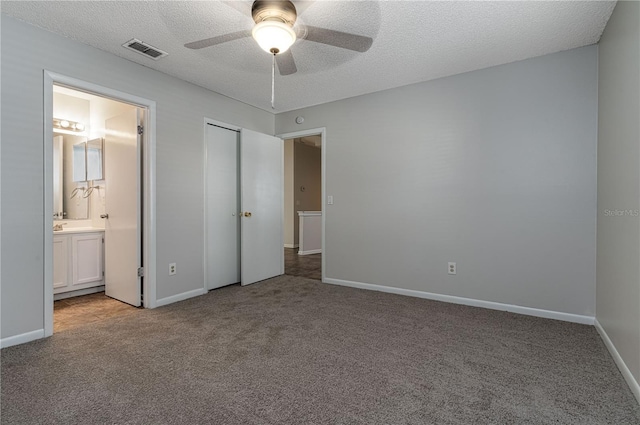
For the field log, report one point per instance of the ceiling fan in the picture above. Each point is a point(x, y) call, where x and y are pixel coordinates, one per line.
point(275, 33)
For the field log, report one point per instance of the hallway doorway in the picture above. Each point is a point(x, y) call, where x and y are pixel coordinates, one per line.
point(305, 200)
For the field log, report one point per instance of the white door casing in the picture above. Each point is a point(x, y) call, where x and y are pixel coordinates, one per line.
point(222, 219)
point(149, 182)
point(262, 198)
point(122, 205)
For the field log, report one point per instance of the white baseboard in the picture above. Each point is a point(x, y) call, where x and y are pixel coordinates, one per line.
point(22, 338)
point(289, 245)
point(77, 293)
point(180, 297)
point(311, 251)
point(529, 311)
point(626, 373)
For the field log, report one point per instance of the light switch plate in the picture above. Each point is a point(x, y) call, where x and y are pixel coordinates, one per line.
point(329, 200)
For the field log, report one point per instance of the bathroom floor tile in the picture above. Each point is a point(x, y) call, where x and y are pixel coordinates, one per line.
point(74, 312)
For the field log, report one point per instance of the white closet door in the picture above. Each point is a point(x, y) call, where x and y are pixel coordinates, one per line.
point(122, 204)
point(222, 208)
point(262, 192)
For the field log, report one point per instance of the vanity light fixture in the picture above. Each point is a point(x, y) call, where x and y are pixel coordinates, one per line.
point(68, 125)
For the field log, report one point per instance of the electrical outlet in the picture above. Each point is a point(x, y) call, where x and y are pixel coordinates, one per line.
point(172, 269)
point(452, 268)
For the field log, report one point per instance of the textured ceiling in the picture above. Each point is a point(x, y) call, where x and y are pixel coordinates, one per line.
point(413, 40)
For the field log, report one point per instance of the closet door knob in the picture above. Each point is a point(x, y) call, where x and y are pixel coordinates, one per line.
point(104, 215)
point(247, 214)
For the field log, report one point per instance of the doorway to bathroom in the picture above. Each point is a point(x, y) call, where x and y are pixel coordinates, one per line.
point(100, 156)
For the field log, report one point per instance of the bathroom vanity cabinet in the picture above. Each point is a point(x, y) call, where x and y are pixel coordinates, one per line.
point(78, 260)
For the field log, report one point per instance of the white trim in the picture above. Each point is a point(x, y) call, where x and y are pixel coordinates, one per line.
point(322, 131)
point(281, 205)
point(149, 208)
point(48, 204)
point(291, 245)
point(78, 293)
point(309, 213)
point(181, 297)
point(310, 251)
point(22, 338)
point(529, 311)
point(149, 190)
point(624, 370)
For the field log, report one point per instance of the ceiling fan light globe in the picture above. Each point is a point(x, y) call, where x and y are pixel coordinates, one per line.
point(272, 35)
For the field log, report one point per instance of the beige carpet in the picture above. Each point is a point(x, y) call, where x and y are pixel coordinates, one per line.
point(294, 351)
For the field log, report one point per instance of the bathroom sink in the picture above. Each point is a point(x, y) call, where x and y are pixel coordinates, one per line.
point(78, 230)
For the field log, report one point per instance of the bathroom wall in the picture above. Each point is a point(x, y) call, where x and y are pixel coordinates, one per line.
point(70, 108)
point(76, 109)
point(92, 111)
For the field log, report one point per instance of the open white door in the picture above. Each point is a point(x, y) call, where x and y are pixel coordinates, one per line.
point(262, 195)
point(122, 206)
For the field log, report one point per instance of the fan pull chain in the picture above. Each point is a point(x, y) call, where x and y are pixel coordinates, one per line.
point(273, 82)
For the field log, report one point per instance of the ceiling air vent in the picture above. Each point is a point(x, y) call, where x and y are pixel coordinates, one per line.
point(144, 49)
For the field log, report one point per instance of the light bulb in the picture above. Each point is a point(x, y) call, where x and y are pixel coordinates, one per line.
point(273, 36)
point(64, 123)
point(79, 126)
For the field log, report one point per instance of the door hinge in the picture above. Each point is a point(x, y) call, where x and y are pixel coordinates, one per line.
point(103, 273)
point(140, 271)
point(140, 129)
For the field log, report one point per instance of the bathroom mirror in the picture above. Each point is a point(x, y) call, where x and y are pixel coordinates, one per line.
point(95, 161)
point(78, 162)
point(69, 178)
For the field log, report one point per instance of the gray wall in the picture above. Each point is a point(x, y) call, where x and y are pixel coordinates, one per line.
point(494, 169)
point(181, 108)
point(618, 279)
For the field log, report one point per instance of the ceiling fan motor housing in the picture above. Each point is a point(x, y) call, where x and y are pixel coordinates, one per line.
point(274, 10)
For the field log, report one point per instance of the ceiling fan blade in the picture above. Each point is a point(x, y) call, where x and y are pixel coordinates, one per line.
point(301, 6)
point(286, 64)
point(207, 42)
point(243, 7)
point(344, 40)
